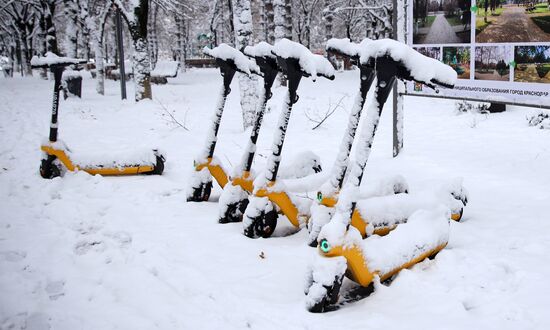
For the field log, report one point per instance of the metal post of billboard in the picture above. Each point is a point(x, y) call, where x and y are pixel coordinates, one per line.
point(399, 35)
point(120, 45)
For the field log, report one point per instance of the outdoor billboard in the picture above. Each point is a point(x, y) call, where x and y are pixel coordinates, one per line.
point(500, 49)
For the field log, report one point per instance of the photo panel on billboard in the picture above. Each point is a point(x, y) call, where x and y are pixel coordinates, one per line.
point(499, 21)
point(532, 64)
point(441, 21)
point(500, 49)
point(492, 63)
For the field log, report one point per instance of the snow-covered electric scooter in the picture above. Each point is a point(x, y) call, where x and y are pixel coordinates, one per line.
point(327, 196)
point(260, 217)
point(423, 235)
point(229, 60)
point(234, 198)
point(57, 154)
point(283, 199)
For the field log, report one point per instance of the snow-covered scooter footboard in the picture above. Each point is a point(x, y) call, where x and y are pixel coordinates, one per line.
point(424, 235)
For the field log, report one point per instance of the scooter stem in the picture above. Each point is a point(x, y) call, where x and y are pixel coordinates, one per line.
point(269, 71)
point(227, 73)
point(58, 74)
point(291, 68)
point(386, 72)
point(367, 77)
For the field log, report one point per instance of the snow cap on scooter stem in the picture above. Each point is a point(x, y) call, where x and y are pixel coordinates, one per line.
point(50, 59)
point(346, 47)
point(310, 64)
point(225, 52)
point(418, 67)
point(262, 49)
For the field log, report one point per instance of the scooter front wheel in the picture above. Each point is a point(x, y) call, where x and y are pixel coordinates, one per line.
point(49, 170)
point(201, 193)
point(159, 166)
point(330, 297)
point(263, 225)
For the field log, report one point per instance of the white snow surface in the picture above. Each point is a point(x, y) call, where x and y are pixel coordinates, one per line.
point(312, 64)
point(92, 252)
point(51, 59)
point(422, 68)
point(226, 52)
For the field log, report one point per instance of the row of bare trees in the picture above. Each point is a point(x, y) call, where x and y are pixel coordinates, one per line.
point(177, 29)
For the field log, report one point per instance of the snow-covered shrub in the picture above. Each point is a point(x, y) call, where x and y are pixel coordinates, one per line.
point(539, 119)
point(472, 107)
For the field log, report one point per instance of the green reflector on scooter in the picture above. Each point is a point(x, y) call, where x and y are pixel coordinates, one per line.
point(325, 247)
point(319, 196)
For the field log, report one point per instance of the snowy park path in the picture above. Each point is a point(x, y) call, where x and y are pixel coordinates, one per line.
point(91, 252)
point(513, 25)
point(441, 32)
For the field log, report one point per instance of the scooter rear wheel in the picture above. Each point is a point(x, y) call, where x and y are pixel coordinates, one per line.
point(234, 212)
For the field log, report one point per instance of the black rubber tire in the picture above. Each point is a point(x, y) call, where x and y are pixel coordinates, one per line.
point(330, 298)
point(263, 225)
point(234, 212)
point(49, 170)
point(201, 193)
point(159, 166)
point(313, 244)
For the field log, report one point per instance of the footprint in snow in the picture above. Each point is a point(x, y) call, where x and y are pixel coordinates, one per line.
point(121, 238)
point(34, 321)
point(13, 256)
point(84, 247)
point(54, 289)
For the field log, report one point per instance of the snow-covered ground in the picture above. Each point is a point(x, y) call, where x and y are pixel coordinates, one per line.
point(85, 252)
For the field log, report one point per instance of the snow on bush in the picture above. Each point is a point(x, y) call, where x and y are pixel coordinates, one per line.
point(424, 231)
point(472, 107)
point(312, 64)
point(539, 119)
point(226, 52)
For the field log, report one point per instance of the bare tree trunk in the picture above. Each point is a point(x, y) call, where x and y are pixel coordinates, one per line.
point(328, 16)
point(181, 43)
point(152, 35)
point(243, 37)
point(71, 31)
point(141, 61)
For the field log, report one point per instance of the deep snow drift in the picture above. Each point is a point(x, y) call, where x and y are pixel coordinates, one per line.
point(85, 252)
